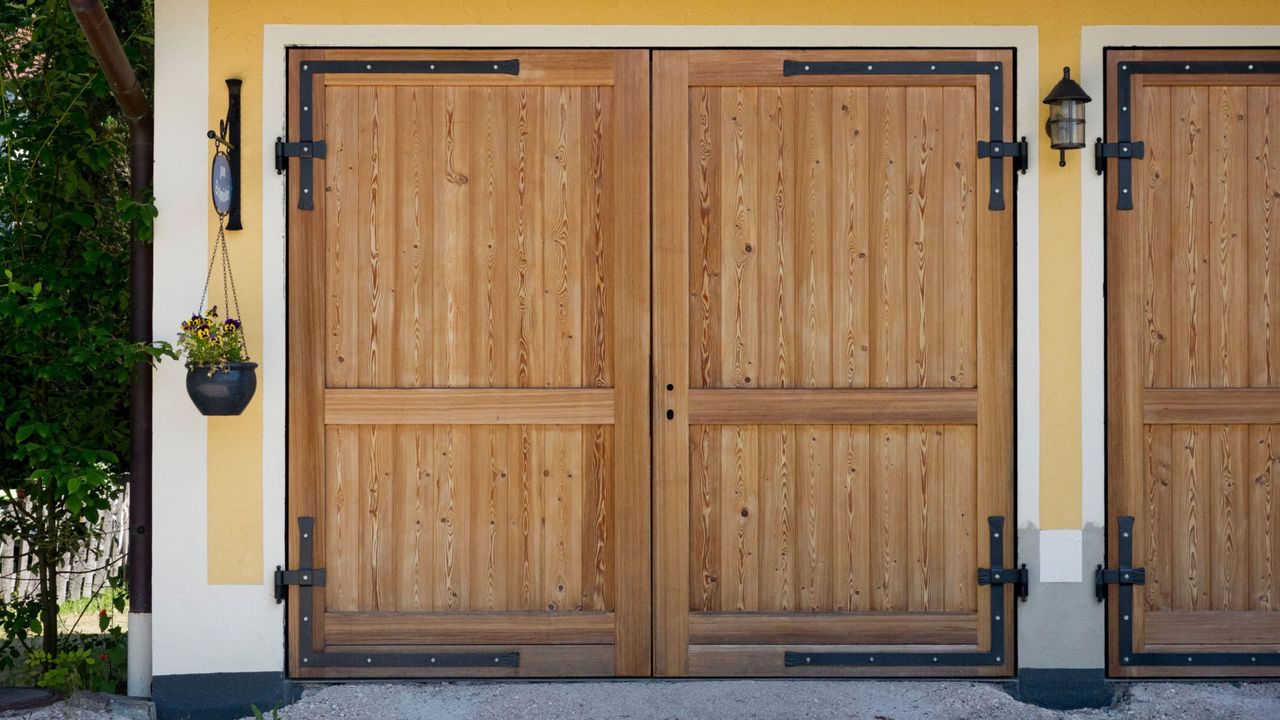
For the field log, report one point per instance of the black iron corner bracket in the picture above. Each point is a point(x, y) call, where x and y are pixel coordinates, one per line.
point(1124, 591)
point(309, 657)
point(997, 576)
point(308, 69)
point(993, 70)
point(1125, 108)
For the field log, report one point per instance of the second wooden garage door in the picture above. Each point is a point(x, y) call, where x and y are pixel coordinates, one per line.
point(833, 356)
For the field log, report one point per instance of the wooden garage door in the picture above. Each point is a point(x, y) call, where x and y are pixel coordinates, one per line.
point(833, 338)
point(468, 363)
point(1193, 362)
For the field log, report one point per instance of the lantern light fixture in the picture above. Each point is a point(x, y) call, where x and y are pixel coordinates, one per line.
point(1065, 125)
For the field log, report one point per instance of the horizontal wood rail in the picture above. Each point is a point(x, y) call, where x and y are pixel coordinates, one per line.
point(469, 406)
point(829, 406)
point(1193, 406)
point(821, 628)
point(1212, 627)
point(498, 628)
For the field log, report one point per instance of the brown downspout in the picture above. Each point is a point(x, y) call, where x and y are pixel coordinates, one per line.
point(106, 47)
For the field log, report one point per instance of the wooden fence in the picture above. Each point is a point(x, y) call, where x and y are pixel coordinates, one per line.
point(78, 575)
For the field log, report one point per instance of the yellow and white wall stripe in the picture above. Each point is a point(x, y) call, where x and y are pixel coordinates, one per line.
point(220, 483)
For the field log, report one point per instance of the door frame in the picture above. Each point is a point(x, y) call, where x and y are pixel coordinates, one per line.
point(1095, 41)
point(278, 39)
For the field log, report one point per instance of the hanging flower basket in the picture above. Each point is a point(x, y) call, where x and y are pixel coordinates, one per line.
point(222, 391)
point(221, 380)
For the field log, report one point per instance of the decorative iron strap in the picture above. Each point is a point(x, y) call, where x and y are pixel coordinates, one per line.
point(993, 70)
point(1130, 658)
point(309, 657)
point(994, 656)
point(1125, 109)
point(308, 69)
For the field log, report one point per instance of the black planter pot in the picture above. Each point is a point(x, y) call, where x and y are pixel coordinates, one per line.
point(224, 392)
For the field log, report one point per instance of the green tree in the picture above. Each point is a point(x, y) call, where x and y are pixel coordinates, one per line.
point(66, 217)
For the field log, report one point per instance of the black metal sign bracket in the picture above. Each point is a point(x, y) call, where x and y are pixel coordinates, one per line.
point(996, 108)
point(994, 656)
point(228, 139)
point(308, 69)
point(309, 657)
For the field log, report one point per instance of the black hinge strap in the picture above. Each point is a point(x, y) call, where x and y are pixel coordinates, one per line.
point(1018, 577)
point(998, 149)
point(286, 150)
point(301, 578)
point(1121, 151)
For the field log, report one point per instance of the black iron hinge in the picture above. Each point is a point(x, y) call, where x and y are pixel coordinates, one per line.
point(286, 150)
point(1104, 576)
point(997, 149)
point(1018, 577)
point(1119, 150)
point(302, 578)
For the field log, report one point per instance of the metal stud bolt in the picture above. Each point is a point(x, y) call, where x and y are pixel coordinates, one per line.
point(304, 67)
point(433, 660)
point(306, 618)
point(997, 618)
point(997, 191)
point(1124, 67)
point(933, 67)
point(1187, 67)
point(872, 658)
point(368, 660)
point(368, 67)
point(996, 108)
point(999, 659)
point(433, 67)
point(1126, 192)
point(868, 67)
point(806, 68)
point(306, 659)
point(808, 659)
point(1126, 618)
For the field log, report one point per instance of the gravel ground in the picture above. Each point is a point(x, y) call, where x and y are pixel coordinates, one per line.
point(719, 700)
point(722, 700)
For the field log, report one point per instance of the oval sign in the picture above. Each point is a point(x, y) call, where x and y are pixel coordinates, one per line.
point(221, 183)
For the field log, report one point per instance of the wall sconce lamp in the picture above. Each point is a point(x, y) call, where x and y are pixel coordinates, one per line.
point(1065, 125)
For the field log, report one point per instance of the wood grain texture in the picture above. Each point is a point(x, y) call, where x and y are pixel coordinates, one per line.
point(1192, 400)
point(821, 359)
point(463, 428)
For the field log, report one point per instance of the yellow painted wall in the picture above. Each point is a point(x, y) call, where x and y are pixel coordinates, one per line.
point(235, 34)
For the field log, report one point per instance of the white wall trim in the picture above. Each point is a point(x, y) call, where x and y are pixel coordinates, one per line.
point(1093, 40)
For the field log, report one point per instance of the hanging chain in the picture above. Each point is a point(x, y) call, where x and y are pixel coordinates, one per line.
point(228, 282)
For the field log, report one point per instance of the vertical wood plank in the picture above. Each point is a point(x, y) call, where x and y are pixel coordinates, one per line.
point(958, 231)
point(452, 468)
point(342, 520)
point(562, 266)
point(597, 518)
point(489, 352)
point(889, 548)
point(343, 238)
point(1189, 223)
point(814, 239)
point(740, 549)
point(704, 518)
point(777, 517)
point(815, 483)
point(1263, 509)
point(963, 524)
point(1264, 236)
point(1191, 548)
point(597, 273)
point(1228, 190)
point(671, 369)
point(1154, 192)
point(1229, 551)
point(525, 225)
point(1158, 513)
point(413, 514)
point(414, 333)
point(452, 311)
point(924, 278)
point(851, 560)
point(925, 523)
point(887, 254)
point(706, 239)
point(631, 330)
point(740, 269)
point(850, 336)
point(774, 309)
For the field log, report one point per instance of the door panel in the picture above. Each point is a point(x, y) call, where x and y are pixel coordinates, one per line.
point(1194, 363)
point(833, 376)
point(463, 428)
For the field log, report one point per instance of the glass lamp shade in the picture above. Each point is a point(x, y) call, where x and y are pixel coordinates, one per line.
point(1066, 125)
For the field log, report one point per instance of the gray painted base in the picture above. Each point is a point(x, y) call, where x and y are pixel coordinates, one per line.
point(1063, 688)
point(221, 696)
point(1061, 625)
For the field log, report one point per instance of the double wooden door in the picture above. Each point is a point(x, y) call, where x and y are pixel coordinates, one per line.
point(474, 403)
point(1193, 361)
